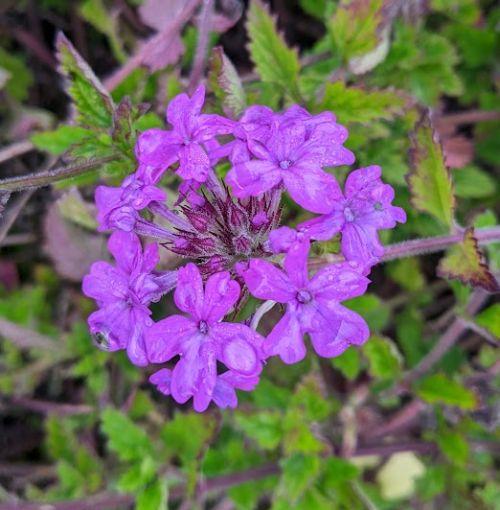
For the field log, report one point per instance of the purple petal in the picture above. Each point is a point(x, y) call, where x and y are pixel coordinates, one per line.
point(105, 283)
point(265, 281)
point(194, 163)
point(323, 228)
point(281, 239)
point(296, 263)
point(285, 340)
point(188, 294)
point(253, 178)
point(221, 293)
point(136, 347)
point(156, 150)
point(360, 182)
point(341, 328)
point(310, 187)
point(162, 380)
point(165, 339)
point(126, 249)
point(240, 347)
point(337, 282)
point(361, 243)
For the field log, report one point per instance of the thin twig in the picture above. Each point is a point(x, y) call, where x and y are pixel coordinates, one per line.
point(485, 334)
point(15, 149)
point(25, 338)
point(200, 56)
point(469, 117)
point(12, 212)
point(149, 46)
point(47, 407)
point(52, 175)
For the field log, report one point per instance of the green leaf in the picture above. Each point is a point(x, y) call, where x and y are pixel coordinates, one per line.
point(153, 497)
point(398, 476)
point(472, 182)
point(187, 434)
point(349, 363)
point(17, 75)
point(73, 208)
point(337, 471)
point(92, 102)
point(60, 140)
point(94, 12)
point(355, 27)
point(264, 427)
point(421, 62)
point(226, 83)
point(454, 446)
point(316, 8)
point(429, 179)
point(407, 273)
point(141, 473)
point(275, 62)
point(354, 104)
point(125, 438)
point(439, 389)
point(465, 261)
point(383, 357)
point(298, 472)
point(372, 309)
point(489, 319)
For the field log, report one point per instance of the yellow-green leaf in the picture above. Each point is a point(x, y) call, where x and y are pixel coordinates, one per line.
point(439, 389)
point(465, 261)
point(429, 179)
point(354, 104)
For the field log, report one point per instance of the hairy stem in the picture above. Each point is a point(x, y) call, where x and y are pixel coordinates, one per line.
point(421, 246)
point(204, 25)
point(37, 180)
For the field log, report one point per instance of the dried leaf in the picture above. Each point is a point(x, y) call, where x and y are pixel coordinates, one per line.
point(226, 83)
point(466, 262)
point(72, 248)
point(429, 179)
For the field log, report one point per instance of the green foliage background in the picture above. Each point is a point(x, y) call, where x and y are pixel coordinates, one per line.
point(322, 434)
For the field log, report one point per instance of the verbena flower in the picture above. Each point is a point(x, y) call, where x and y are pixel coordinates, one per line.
point(364, 208)
point(158, 149)
point(312, 305)
point(123, 293)
point(231, 233)
point(201, 339)
point(295, 158)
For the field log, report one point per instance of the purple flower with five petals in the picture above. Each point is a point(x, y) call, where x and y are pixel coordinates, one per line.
point(201, 339)
point(312, 305)
point(224, 392)
point(123, 293)
point(364, 208)
point(157, 149)
point(295, 157)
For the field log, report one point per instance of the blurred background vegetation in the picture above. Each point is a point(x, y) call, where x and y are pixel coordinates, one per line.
point(410, 420)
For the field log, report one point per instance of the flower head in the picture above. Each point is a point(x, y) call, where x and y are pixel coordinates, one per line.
point(294, 155)
point(364, 208)
point(123, 293)
point(158, 149)
point(201, 339)
point(312, 305)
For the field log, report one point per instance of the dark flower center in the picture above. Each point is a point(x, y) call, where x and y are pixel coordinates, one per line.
point(304, 297)
point(203, 327)
point(378, 206)
point(285, 164)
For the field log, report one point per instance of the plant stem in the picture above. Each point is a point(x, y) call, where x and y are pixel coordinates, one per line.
point(47, 177)
point(14, 150)
point(204, 25)
point(421, 246)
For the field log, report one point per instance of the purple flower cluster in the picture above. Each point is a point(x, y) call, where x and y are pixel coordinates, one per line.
point(230, 231)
